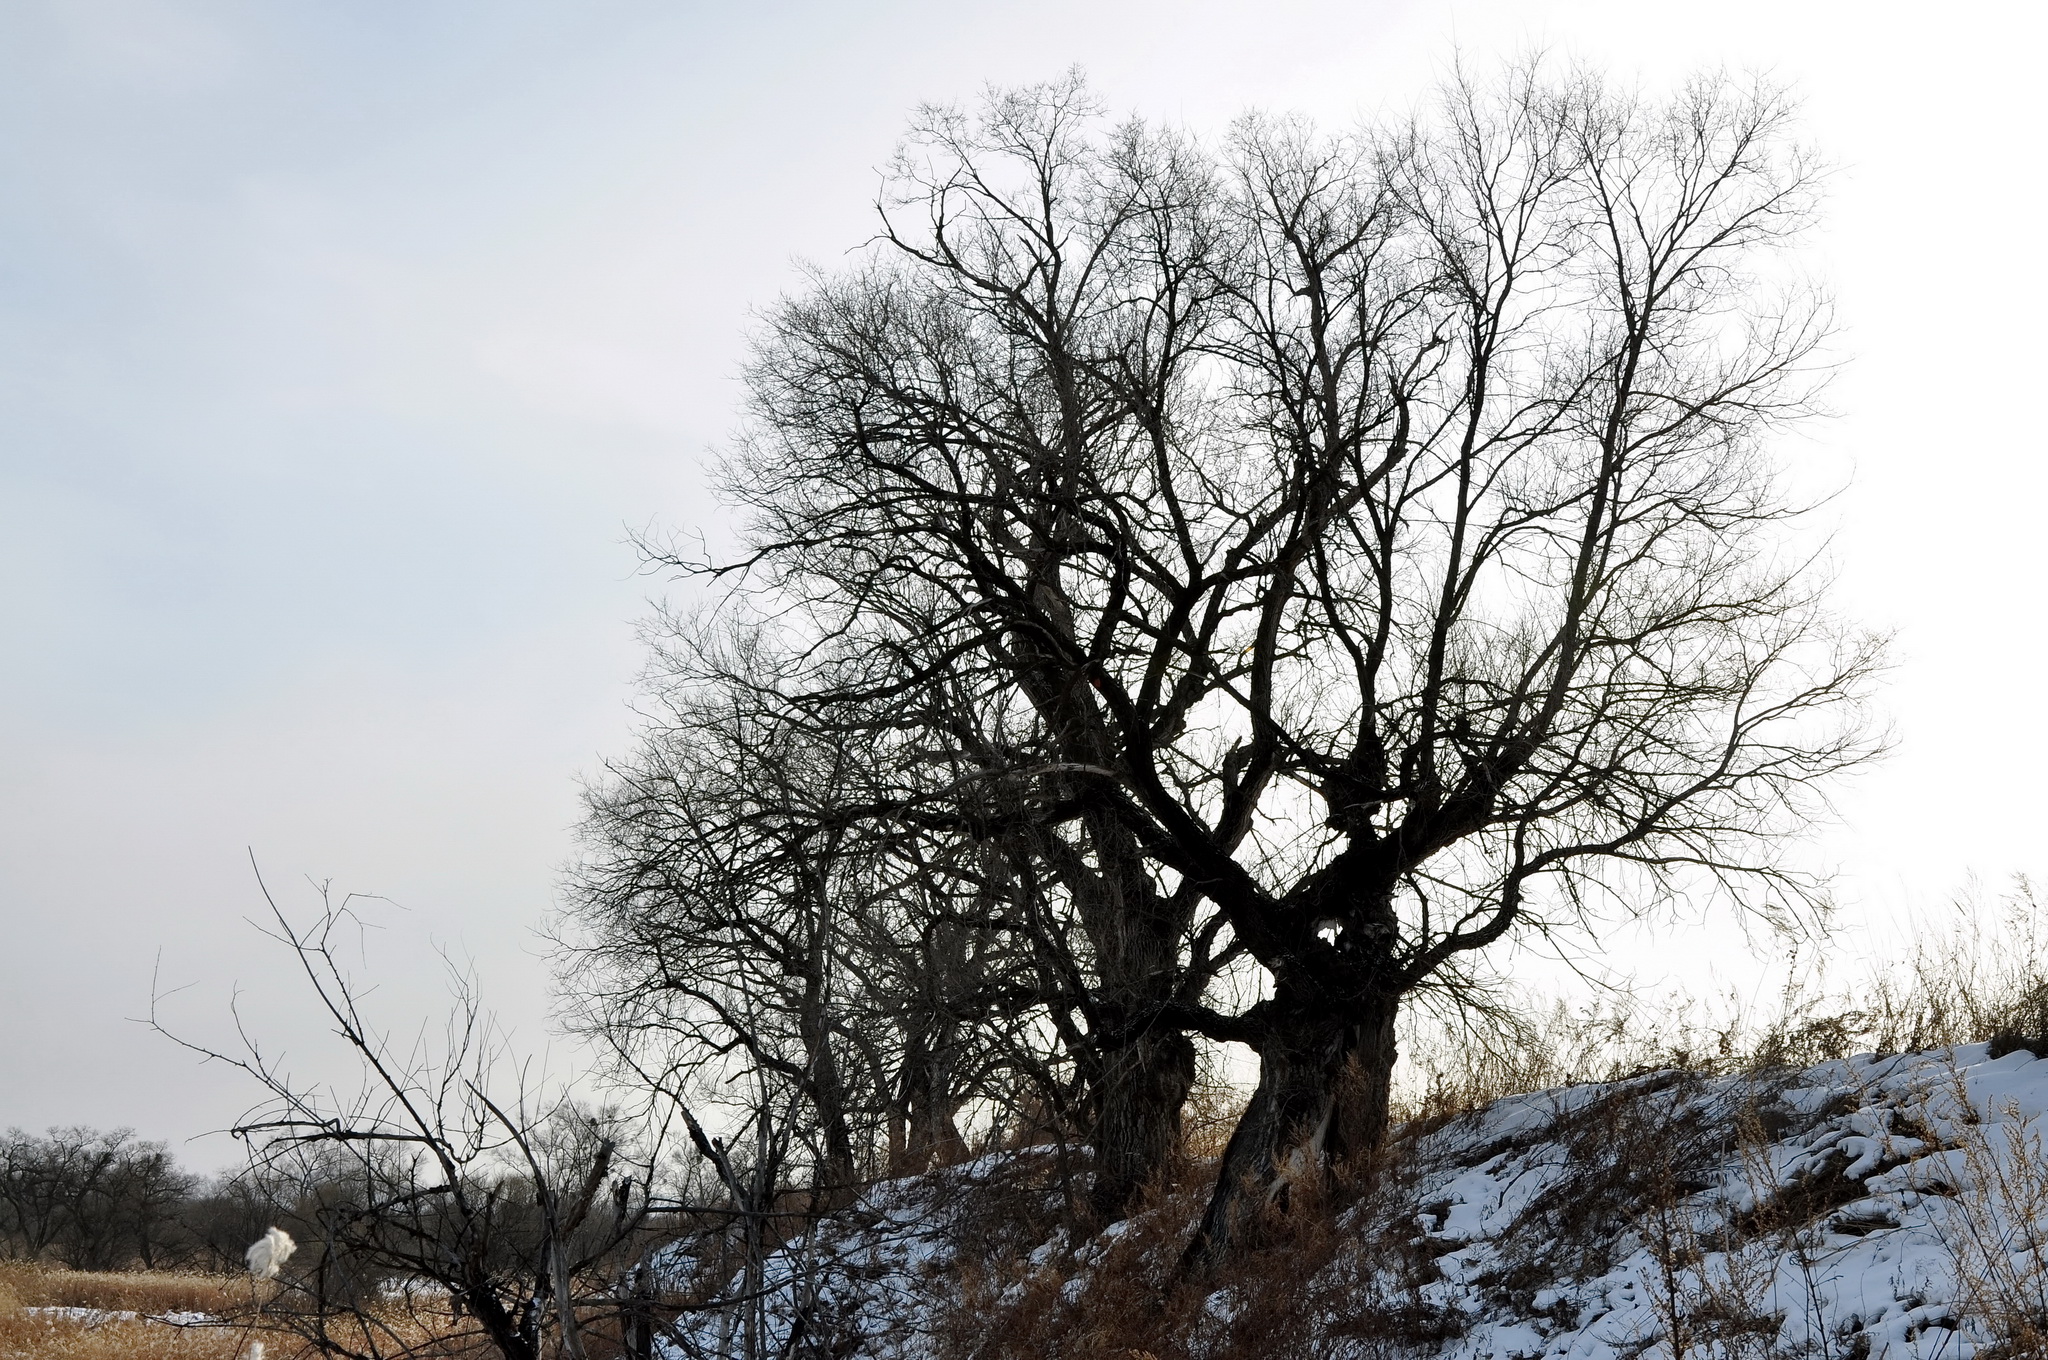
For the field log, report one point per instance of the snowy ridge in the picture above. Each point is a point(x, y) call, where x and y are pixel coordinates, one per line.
point(1891, 1217)
point(1868, 1209)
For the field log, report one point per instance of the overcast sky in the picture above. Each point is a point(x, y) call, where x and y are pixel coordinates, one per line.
point(342, 343)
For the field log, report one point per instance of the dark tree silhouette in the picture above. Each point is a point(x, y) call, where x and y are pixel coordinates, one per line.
point(1334, 554)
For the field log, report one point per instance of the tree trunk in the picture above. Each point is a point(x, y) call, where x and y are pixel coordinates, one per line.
point(1140, 1074)
point(839, 1176)
point(1325, 1081)
point(1138, 1097)
point(637, 1337)
point(821, 1063)
point(924, 1129)
point(511, 1339)
point(1365, 1084)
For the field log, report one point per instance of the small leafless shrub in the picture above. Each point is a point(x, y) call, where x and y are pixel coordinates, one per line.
point(454, 1203)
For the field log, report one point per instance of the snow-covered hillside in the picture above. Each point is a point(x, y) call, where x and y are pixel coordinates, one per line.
point(1876, 1207)
point(1873, 1208)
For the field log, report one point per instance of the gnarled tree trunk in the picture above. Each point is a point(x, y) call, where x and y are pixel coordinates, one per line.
point(1140, 1071)
point(1325, 1083)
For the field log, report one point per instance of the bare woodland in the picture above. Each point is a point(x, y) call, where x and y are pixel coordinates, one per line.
point(1212, 594)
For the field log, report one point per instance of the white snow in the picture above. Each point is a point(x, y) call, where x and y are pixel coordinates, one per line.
point(1874, 1273)
point(94, 1317)
point(1883, 1208)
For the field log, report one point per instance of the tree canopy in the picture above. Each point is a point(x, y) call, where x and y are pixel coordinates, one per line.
point(1304, 558)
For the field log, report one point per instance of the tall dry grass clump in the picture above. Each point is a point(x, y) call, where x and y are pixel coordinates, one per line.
point(1995, 1227)
point(37, 1321)
point(1977, 973)
point(1982, 974)
point(31, 1285)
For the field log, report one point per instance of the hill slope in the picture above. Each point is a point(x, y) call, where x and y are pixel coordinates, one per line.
point(1869, 1209)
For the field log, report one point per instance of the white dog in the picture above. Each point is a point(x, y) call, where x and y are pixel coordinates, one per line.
point(270, 1251)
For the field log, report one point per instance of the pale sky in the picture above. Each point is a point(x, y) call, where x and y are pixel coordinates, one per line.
point(342, 341)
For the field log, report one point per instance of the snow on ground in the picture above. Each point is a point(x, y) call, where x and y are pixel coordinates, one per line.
point(874, 1278)
point(1869, 1209)
point(1896, 1214)
point(93, 1317)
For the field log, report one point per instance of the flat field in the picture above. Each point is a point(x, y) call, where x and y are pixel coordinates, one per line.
point(52, 1314)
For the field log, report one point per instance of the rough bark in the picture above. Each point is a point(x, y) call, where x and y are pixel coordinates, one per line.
point(1140, 1072)
point(838, 1174)
point(1139, 1094)
point(1322, 1099)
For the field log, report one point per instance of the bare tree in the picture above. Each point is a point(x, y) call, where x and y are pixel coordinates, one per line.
point(95, 1200)
point(709, 921)
point(740, 907)
point(450, 1178)
point(1339, 553)
point(35, 1189)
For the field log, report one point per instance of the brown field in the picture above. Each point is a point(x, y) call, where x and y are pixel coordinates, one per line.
point(26, 1334)
point(422, 1331)
point(27, 1285)
point(32, 1336)
point(29, 1334)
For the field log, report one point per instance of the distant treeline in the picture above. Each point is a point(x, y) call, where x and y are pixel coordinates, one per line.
point(106, 1200)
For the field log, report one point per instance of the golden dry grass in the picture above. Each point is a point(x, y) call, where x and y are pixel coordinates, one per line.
point(30, 1285)
point(31, 1335)
point(28, 1331)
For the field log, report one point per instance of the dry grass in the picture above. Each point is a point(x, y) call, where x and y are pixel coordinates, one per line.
point(1326, 1271)
point(27, 1330)
point(32, 1329)
point(415, 1329)
point(26, 1335)
point(1979, 973)
point(1711, 1280)
point(1996, 1229)
point(30, 1285)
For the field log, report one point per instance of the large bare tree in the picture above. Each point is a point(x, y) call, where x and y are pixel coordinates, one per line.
point(1328, 554)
